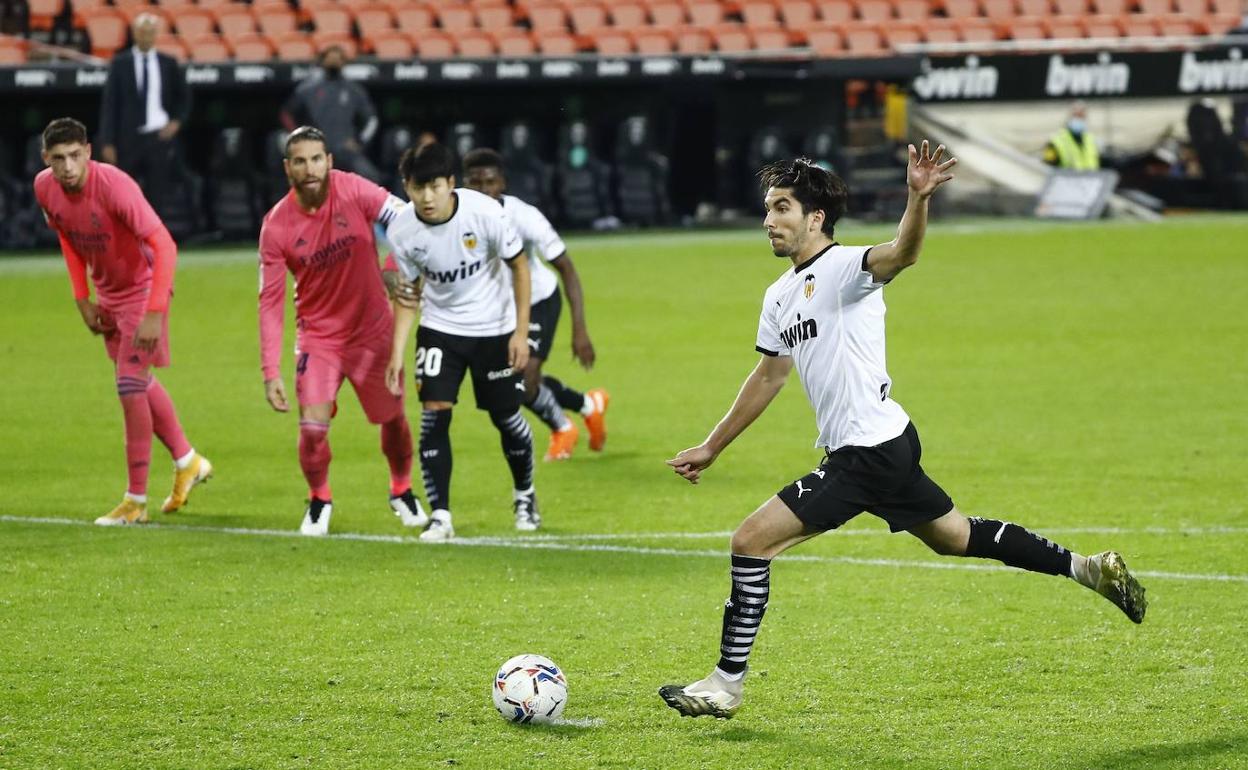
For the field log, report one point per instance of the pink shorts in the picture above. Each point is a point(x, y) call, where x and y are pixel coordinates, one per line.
point(129, 360)
point(319, 375)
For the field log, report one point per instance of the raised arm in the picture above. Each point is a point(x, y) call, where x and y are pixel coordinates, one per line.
point(924, 174)
point(582, 348)
point(756, 393)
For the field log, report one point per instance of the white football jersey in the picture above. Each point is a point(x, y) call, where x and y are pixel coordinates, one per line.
point(828, 314)
point(467, 287)
point(541, 242)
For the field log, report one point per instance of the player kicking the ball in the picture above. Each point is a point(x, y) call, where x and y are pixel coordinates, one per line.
point(826, 317)
point(461, 246)
point(322, 232)
point(106, 225)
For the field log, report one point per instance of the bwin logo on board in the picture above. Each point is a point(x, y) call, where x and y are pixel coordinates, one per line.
point(1104, 77)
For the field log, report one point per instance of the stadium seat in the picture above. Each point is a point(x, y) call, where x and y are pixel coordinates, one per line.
point(1136, 25)
point(583, 186)
point(960, 9)
point(587, 17)
point(555, 43)
point(454, 19)
point(1221, 23)
point(759, 13)
point(1036, 8)
point(514, 41)
point(251, 48)
point(627, 15)
point(651, 41)
point(235, 20)
point(390, 45)
point(667, 15)
point(494, 17)
point(897, 33)
point(835, 11)
point(1024, 28)
point(331, 20)
point(913, 10)
point(274, 21)
point(413, 18)
point(977, 30)
point(12, 50)
point(432, 44)
point(81, 6)
point(1229, 7)
point(796, 14)
point(704, 13)
point(768, 38)
point(1109, 7)
point(1064, 27)
point(875, 10)
point(373, 19)
point(172, 45)
point(939, 31)
point(1099, 26)
point(1175, 25)
point(475, 44)
point(42, 13)
point(730, 37)
point(106, 29)
point(212, 3)
point(1070, 7)
point(547, 17)
point(997, 9)
point(863, 39)
point(692, 41)
point(190, 22)
point(322, 40)
point(611, 41)
point(825, 40)
point(641, 175)
point(232, 203)
point(295, 46)
point(1154, 7)
point(207, 49)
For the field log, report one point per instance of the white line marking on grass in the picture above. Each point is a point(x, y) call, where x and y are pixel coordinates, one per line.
point(547, 544)
point(1170, 531)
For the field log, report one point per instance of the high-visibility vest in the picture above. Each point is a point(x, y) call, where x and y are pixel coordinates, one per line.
point(1075, 155)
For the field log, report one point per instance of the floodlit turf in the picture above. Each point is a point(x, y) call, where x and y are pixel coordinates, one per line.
point(1090, 382)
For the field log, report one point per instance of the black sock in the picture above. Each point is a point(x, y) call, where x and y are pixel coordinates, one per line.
point(548, 409)
point(1017, 547)
point(743, 612)
point(517, 442)
point(435, 457)
point(572, 400)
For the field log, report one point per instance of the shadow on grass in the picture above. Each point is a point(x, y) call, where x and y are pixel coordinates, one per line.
point(1231, 749)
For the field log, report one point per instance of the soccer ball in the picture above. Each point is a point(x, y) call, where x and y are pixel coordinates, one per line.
point(530, 688)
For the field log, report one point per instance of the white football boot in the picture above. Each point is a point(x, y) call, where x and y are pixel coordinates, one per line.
point(713, 696)
point(316, 518)
point(439, 529)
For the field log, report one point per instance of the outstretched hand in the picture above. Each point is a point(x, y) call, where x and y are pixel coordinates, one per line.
point(924, 172)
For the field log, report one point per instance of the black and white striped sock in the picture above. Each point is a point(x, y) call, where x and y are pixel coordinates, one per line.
point(572, 400)
point(517, 441)
point(435, 457)
point(548, 410)
point(743, 612)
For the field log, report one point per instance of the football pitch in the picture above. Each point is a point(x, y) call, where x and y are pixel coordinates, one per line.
point(1089, 382)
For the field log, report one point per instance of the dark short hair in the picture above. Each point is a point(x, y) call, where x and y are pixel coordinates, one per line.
point(305, 134)
point(814, 188)
point(426, 164)
point(482, 157)
point(327, 50)
point(64, 131)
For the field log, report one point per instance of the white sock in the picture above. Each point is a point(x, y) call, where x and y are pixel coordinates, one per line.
point(519, 493)
point(1081, 568)
point(140, 499)
point(737, 677)
point(441, 515)
point(587, 408)
point(184, 461)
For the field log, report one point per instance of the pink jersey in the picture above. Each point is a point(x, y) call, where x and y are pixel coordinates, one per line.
point(339, 294)
point(106, 223)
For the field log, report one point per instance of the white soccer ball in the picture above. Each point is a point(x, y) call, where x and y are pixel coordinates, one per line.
point(530, 688)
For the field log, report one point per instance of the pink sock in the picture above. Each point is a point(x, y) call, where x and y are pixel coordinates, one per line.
point(165, 420)
point(314, 457)
point(138, 416)
point(396, 444)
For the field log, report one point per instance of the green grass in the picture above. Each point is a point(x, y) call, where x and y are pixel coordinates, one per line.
point(1090, 382)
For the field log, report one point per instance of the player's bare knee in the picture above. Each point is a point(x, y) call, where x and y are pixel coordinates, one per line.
point(532, 378)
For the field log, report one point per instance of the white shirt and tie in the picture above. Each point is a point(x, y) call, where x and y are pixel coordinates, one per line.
point(147, 78)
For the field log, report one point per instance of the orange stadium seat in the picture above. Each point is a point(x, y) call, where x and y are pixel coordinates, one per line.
point(323, 40)
point(899, 33)
point(704, 13)
point(692, 41)
point(12, 50)
point(960, 9)
point(914, 10)
point(770, 38)
point(627, 15)
point(1228, 7)
point(863, 39)
point(1109, 7)
point(759, 13)
point(456, 18)
point(1174, 25)
point(555, 43)
point(207, 49)
point(796, 14)
point(1070, 7)
point(295, 46)
point(413, 19)
point(939, 31)
point(667, 14)
point(1035, 7)
point(235, 20)
point(81, 6)
point(977, 30)
point(172, 45)
point(1221, 23)
point(825, 40)
point(1154, 7)
point(835, 11)
point(475, 44)
point(390, 45)
point(189, 22)
point(1064, 27)
point(612, 41)
point(1100, 26)
point(875, 10)
point(1135, 25)
point(373, 19)
point(106, 28)
point(434, 44)
point(587, 17)
point(494, 17)
point(274, 21)
point(514, 42)
point(998, 9)
point(651, 41)
point(251, 48)
point(548, 17)
point(125, 6)
point(331, 20)
point(42, 14)
point(212, 3)
point(730, 37)
point(1024, 28)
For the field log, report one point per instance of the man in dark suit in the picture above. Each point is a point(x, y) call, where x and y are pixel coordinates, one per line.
point(145, 103)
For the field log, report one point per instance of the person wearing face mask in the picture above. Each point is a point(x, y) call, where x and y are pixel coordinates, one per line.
point(1073, 147)
point(341, 109)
